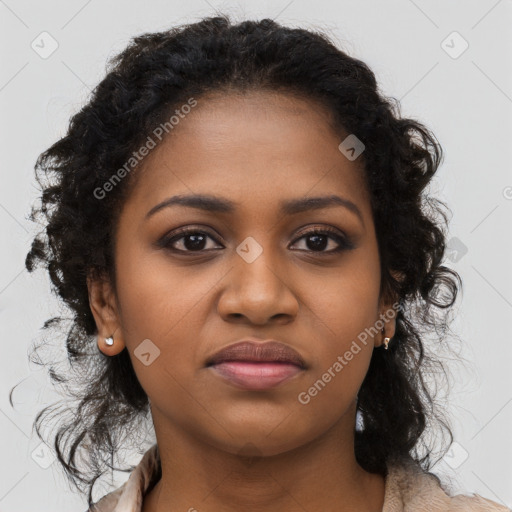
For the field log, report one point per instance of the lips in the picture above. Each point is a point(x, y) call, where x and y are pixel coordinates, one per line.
point(256, 365)
point(269, 351)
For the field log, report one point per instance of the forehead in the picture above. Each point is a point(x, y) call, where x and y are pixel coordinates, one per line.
point(258, 149)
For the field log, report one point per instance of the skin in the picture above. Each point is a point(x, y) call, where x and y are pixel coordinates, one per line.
point(256, 150)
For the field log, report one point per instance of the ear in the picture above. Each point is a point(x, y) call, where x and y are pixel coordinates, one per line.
point(104, 309)
point(388, 308)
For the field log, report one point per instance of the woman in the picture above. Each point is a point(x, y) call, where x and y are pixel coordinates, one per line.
point(239, 219)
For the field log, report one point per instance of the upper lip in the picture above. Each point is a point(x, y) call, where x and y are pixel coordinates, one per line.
point(262, 351)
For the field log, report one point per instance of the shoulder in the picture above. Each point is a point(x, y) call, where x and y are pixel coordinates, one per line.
point(409, 488)
point(110, 501)
point(129, 496)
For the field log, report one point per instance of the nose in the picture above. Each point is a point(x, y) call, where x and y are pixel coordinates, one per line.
point(257, 293)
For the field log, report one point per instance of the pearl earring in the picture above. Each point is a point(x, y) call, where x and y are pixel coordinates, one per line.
point(109, 341)
point(386, 341)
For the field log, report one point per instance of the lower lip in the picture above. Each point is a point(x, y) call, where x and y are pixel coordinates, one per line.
point(254, 375)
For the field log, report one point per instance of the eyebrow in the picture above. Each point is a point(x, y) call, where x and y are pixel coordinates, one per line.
point(216, 204)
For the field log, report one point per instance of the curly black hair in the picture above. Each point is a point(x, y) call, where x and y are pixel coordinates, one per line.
point(152, 76)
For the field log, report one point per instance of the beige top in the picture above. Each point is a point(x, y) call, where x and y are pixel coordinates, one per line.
point(408, 489)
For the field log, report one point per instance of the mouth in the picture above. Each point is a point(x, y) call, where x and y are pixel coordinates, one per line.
point(256, 366)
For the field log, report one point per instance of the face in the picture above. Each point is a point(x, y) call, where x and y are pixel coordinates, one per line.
point(308, 278)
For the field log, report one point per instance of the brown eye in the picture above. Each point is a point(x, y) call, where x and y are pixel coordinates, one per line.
point(317, 240)
point(188, 240)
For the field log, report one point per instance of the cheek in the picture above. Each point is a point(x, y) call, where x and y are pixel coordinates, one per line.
point(340, 365)
point(159, 300)
point(346, 304)
point(344, 314)
point(162, 314)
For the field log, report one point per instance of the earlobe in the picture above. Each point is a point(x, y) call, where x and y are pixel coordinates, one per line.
point(104, 310)
point(387, 332)
point(388, 317)
point(110, 345)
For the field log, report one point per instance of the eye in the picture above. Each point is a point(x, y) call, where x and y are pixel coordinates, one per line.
point(318, 239)
point(188, 240)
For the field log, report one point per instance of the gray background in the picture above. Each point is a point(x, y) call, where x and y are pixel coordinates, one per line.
point(465, 99)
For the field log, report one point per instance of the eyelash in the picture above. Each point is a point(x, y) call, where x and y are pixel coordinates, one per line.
point(344, 242)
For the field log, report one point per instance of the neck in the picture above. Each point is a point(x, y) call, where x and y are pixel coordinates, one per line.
point(320, 475)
